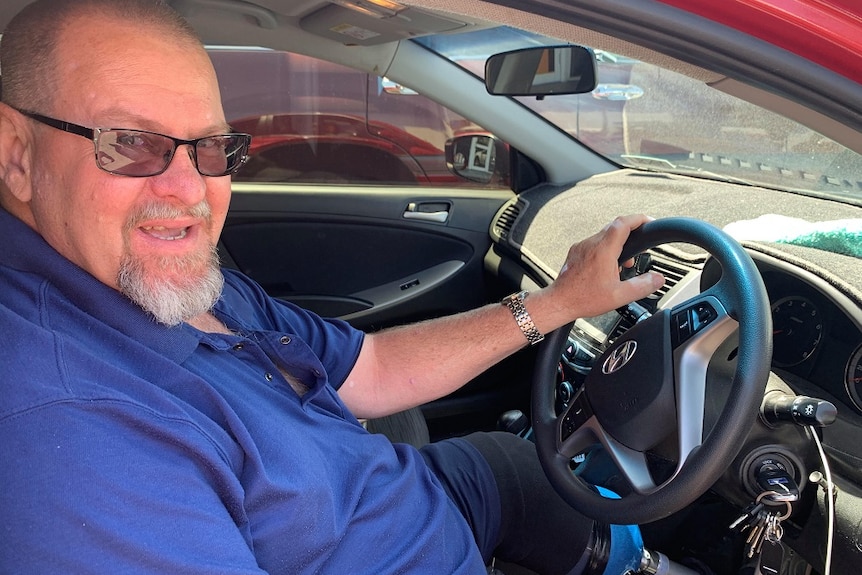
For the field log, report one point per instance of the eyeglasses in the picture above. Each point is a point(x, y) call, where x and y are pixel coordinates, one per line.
point(139, 154)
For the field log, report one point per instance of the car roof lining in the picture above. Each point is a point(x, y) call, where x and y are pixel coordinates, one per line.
point(268, 19)
point(374, 58)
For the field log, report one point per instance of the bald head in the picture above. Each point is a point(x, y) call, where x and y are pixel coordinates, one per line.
point(30, 43)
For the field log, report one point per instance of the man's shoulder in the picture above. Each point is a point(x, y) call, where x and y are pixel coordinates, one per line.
point(60, 348)
point(30, 360)
point(24, 319)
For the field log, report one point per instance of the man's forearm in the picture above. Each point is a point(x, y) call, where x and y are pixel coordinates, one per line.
point(414, 364)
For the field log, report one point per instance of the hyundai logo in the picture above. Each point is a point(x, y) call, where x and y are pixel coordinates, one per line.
point(619, 357)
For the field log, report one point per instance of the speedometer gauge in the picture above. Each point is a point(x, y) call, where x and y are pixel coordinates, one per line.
point(853, 378)
point(796, 330)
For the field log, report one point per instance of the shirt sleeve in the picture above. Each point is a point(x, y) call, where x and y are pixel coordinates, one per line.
point(107, 486)
point(335, 342)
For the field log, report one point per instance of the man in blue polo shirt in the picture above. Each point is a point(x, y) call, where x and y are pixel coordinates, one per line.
point(160, 415)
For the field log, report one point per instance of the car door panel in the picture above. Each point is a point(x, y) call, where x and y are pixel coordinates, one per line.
point(373, 257)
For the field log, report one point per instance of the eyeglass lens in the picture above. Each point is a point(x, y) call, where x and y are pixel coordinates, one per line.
point(134, 153)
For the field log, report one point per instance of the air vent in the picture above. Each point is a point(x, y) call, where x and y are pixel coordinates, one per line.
point(504, 223)
point(672, 275)
point(623, 325)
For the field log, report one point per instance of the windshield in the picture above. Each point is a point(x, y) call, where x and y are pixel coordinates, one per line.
point(647, 117)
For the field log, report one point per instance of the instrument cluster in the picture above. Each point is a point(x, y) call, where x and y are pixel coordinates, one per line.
point(815, 339)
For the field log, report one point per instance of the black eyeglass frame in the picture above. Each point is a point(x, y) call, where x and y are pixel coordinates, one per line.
point(92, 134)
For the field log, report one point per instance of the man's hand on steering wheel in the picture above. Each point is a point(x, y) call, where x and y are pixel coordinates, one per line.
point(589, 283)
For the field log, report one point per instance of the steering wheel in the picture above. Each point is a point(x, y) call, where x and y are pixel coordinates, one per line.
point(648, 389)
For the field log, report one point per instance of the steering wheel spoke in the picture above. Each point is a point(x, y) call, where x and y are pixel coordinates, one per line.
point(631, 463)
point(580, 431)
point(692, 355)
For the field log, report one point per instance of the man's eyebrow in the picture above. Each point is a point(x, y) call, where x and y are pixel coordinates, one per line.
point(119, 118)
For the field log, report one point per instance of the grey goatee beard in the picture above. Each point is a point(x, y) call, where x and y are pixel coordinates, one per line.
point(187, 287)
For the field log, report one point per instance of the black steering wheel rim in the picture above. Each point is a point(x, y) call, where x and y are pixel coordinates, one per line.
point(741, 291)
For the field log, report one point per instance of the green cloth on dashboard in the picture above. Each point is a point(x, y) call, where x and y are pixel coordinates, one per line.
point(837, 236)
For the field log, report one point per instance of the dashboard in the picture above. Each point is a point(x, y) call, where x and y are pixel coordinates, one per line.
point(815, 295)
point(815, 339)
point(817, 352)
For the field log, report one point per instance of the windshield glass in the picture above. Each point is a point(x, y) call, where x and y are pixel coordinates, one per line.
point(647, 117)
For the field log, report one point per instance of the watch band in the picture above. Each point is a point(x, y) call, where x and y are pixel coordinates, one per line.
point(515, 303)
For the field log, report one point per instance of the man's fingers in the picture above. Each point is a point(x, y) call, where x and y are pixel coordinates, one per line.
point(644, 284)
point(618, 231)
point(625, 224)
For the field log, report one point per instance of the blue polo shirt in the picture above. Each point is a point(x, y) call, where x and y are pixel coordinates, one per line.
point(130, 447)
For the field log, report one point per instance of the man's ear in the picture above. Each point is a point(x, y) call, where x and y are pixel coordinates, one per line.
point(15, 148)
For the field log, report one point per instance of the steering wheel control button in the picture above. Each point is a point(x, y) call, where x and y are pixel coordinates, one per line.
point(578, 414)
point(702, 314)
point(681, 327)
point(691, 320)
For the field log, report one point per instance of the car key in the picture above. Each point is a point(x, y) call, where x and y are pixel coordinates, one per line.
point(778, 484)
point(745, 520)
point(758, 531)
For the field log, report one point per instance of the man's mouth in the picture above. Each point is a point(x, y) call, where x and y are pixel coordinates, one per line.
point(164, 233)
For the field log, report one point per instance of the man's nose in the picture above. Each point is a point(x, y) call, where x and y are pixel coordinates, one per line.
point(181, 179)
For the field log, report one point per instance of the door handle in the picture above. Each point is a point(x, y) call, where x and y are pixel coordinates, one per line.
point(427, 212)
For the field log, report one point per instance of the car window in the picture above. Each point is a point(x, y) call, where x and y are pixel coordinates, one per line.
point(313, 121)
point(648, 117)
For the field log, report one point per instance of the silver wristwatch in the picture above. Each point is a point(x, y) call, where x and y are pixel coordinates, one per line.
point(515, 303)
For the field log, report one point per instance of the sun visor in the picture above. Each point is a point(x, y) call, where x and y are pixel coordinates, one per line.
point(367, 22)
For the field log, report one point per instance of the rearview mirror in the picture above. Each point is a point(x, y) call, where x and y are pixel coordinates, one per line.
point(541, 71)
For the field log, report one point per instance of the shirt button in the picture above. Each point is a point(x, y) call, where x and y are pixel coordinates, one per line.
point(238, 347)
point(317, 372)
point(267, 376)
point(284, 340)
